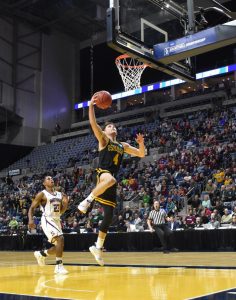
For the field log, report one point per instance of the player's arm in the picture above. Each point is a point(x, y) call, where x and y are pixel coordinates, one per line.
point(64, 203)
point(97, 130)
point(149, 223)
point(140, 151)
point(36, 202)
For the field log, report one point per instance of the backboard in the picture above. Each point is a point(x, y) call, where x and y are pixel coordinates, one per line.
point(165, 34)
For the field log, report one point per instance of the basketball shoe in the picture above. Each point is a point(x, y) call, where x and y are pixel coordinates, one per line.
point(59, 269)
point(97, 253)
point(40, 259)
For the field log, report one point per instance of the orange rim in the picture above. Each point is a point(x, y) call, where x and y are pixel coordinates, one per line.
point(124, 56)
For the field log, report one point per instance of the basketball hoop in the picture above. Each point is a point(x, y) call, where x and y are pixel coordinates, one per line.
point(130, 70)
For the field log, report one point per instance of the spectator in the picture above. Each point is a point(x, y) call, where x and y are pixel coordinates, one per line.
point(120, 224)
point(204, 216)
point(233, 222)
point(170, 206)
point(206, 202)
point(75, 228)
point(88, 227)
point(96, 217)
point(70, 220)
point(198, 223)
point(234, 211)
point(222, 193)
point(144, 223)
point(134, 224)
point(227, 217)
point(179, 219)
point(217, 215)
point(229, 195)
point(219, 176)
point(146, 198)
point(210, 188)
point(213, 222)
point(219, 206)
point(195, 202)
point(13, 224)
point(228, 180)
point(127, 213)
point(172, 223)
point(190, 219)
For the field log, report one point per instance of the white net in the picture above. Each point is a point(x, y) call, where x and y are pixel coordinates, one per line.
point(130, 70)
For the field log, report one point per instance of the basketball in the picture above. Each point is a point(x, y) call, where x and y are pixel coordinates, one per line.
point(103, 99)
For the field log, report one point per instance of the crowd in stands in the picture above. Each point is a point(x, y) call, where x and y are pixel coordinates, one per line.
point(193, 168)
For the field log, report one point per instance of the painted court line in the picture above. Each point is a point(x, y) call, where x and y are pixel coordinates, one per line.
point(213, 293)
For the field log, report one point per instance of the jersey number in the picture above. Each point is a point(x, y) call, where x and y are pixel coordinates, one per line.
point(56, 207)
point(115, 159)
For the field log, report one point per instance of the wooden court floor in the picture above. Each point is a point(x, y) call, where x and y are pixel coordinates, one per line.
point(126, 275)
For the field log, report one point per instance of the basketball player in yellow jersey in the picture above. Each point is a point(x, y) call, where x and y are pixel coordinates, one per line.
point(52, 204)
point(110, 157)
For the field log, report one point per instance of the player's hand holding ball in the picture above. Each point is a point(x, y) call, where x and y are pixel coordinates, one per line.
point(102, 99)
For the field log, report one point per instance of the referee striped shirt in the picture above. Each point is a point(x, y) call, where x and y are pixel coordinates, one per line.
point(157, 216)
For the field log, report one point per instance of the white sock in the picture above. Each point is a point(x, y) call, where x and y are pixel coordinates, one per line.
point(90, 197)
point(99, 243)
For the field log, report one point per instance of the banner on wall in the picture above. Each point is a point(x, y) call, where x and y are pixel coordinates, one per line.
point(197, 43)
point(14, 172)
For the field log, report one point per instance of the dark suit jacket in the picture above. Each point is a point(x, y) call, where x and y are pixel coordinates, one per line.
point(174, 226)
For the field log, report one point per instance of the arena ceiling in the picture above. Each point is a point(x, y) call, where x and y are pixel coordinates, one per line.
point(80, 19)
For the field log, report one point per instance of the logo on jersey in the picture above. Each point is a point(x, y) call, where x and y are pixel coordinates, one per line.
point(53, 200)
point(116, 148)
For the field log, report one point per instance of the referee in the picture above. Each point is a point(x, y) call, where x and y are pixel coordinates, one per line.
point(157, 223)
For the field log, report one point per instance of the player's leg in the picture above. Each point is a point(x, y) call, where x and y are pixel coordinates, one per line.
point(160, 233)
point(59, 247)
point(52, 229)
point(106, 222)
point(104, 181)
point(41, 255)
